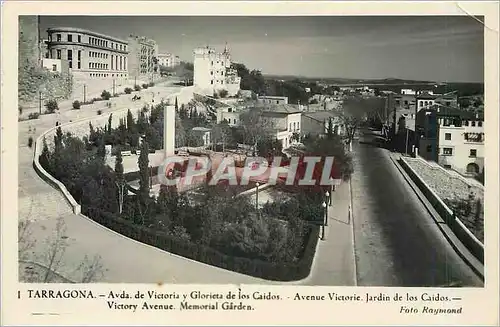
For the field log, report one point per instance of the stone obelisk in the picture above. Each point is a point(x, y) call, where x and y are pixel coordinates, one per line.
point(169, 130)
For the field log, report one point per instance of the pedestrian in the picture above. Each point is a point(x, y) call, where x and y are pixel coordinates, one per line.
point(57, 123)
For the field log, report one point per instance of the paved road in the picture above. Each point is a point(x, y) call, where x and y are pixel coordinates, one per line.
point(397, 242)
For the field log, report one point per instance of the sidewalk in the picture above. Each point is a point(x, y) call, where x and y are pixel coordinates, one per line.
point(334, 263)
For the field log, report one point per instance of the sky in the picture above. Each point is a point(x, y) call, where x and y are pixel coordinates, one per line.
point(437, 48)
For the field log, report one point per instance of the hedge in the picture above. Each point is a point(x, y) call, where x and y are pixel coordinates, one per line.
point(201, 253)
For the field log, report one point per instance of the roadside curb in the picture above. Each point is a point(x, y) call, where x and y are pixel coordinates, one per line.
point(452, 239)
point(351, 222)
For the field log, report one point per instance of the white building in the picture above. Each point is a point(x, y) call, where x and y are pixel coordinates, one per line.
point(168, 60)
point(272, 99)
point(213, 72)
point(204, 134)
point(55, 65)
point(452, 137)
point(283, 119)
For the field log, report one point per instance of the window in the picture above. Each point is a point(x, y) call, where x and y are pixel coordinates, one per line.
point(465, 123)
point(79, 65)
point(448, 103)
point(406, 102)
point(70, 54)
point(79, 38)
point(473, 123)
point(211, 72)
point(70, 38)
point(421, 103)
point(480, 124)
point(472, 153)
point(58, 54)
point(429, 148)
point(111, 61)
point(447, 151)
point(70, 63)
point(54, 68)
point(79, 54)
point(447, 166)
point(447, 136)
point(212, 82)
point(446, 122)
point(58, 37)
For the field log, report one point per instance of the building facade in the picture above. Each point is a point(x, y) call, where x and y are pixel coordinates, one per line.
point(168, 60)
point(56, 65)
point(143, 61)
point(272, 99)
point(213, 72)
point(453, 138)
point(88, 54)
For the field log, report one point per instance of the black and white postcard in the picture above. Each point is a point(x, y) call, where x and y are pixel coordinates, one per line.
point(212, 163)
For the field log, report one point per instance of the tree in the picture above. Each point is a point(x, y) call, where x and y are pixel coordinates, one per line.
point(109, 123)
point(254, 127)
point(101, 149)
point(221, 133)
point(120, 180)
point(130, 122)
point(330, 129)
point(45, 157)
point(478, 215)
point(143, 163)
point(176, 105)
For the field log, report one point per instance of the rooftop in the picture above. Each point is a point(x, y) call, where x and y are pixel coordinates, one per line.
point(84, 31)
point(280, 108)
point(446, 111)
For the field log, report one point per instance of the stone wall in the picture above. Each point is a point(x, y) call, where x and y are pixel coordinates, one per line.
point(32, 78)
point(29, 53)
point(447, 185)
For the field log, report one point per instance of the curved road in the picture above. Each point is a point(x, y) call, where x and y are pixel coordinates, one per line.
point(397, 242)
point(123, 260)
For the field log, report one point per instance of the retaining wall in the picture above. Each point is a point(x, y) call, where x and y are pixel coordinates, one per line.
point(462, 233)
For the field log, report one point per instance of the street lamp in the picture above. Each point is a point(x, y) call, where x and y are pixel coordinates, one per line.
point(324, 205)
point(257, 197)
point(332, 186)
point(325, 217)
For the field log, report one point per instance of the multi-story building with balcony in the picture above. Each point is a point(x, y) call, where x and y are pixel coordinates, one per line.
point(213, 72)
point(453, 138)
point(143, 53)
point(88, 54)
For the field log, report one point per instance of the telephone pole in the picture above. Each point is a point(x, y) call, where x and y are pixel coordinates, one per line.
point(84, 93)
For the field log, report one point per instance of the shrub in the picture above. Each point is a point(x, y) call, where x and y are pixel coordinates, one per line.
point(105, 95)
point(51, 106)
point(34, 115)
point(137, 87)
point(151, 84)
point(30, 141)
point(144, 86)
point(199, 252)
point(128, 90)
point(99, 112)
point(223, 93)
point(76, 104)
